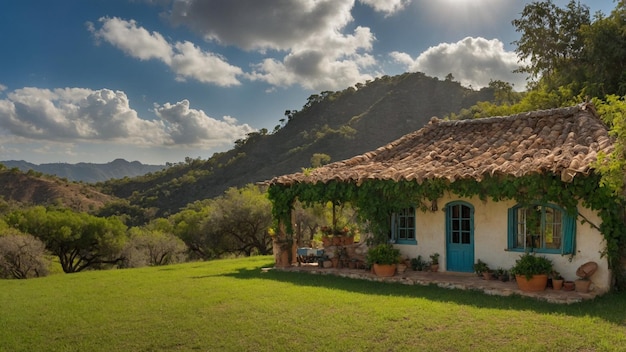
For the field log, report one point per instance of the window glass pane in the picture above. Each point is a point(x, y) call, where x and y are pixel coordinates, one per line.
point(455, 211)
point(533, 221)
point(465, 238)
point(456, 226)
point(465, 225)
point(520, 240)
point(465, 212)
point(410, 234)
point(455, 237)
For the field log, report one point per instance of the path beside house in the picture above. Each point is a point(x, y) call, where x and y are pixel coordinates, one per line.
point(450, 280)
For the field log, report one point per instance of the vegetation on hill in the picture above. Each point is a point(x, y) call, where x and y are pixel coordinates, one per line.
point(35, 188)
point(330, 126)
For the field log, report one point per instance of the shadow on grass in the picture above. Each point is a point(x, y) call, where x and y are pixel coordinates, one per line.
point(610, 307)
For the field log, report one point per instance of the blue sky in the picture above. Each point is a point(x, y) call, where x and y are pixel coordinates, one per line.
point(159, 80)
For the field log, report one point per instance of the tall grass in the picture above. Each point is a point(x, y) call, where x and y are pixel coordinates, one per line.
point(231, 305)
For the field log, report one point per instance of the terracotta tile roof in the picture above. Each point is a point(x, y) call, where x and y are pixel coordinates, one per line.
point(563, 141)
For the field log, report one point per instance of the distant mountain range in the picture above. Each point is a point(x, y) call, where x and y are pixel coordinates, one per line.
point(87, 172)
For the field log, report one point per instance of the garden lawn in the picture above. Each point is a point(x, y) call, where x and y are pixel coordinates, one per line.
point(231, 305)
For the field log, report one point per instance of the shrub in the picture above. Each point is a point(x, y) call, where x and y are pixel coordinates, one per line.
point(383, 254)
point(152, 248)
point(22, 256)
point(530, 264)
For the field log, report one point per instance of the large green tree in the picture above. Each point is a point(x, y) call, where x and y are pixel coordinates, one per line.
point(239, 221)
point(551, 37)
point(79, 240)
point(563, 48)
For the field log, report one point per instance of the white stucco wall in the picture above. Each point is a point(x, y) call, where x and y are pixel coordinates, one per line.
point(490, 240)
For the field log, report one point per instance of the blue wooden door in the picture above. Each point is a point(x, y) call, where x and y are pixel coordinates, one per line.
point(459, 237)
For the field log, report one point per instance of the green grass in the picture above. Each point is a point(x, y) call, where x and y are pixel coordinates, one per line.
point(230, 305)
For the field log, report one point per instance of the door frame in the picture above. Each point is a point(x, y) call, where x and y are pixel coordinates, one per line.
point(468, 267)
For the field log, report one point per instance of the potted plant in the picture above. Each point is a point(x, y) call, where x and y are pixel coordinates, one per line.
point(434, 263)
point(383, 258)
point(557, 280)
point(501, 274)
point(531, 272)
point(480, 267)
point(417, 264)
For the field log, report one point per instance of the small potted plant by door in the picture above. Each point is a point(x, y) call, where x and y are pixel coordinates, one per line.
point(557, 280)
point(417, 264)
point(480, 268)
point(434, 262)
point(531, 272)
point(383, 258)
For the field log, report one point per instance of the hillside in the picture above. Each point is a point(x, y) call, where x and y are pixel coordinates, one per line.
point(87, 172)
point(33, 188)
point(339, 124)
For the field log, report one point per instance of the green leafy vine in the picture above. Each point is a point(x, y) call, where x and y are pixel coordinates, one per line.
point(377, 199)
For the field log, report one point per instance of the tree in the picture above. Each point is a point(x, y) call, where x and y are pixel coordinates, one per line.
point(319, 159)
point(22, 256)
point(79, 240)
point(605, 54)
point(551, 37)
point(238, 222)
point(150, 245)
point(188, 225)
point(613, 166)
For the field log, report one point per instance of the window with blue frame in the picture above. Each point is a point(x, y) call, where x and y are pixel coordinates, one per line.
point(540, 228)
point(403, 226)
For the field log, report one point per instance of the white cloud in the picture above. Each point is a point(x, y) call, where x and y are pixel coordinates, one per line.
point(261, 24)
point(472, 61)
point(72, 115)
point(2, 88)
point(205, 67)
point(134, 41)
point(190, 126)
point(184, 58)
point(322, 63)
point(319, 56)
point(68, 114)
point(387, 6)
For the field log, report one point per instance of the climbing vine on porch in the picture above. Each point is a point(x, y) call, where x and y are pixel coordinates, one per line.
point(377, 199)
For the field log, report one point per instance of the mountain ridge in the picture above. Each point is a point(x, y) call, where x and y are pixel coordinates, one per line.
point(88, 172)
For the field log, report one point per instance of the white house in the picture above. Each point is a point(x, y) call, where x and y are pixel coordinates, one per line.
point(472, 218)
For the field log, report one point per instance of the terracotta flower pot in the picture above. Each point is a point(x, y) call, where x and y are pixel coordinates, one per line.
point(582, 285)
point(557, 284)
point(434, 268)
point(401, 268)
point(536, 283)
point(384, 270)
point(568, 285)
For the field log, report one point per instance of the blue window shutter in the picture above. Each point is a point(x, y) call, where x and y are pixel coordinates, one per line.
point(569, 234)
point(511, 227)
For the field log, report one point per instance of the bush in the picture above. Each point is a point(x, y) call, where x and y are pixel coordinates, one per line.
point(530, 264)
point(383, 254)
point(22, 256)
point(153, 248)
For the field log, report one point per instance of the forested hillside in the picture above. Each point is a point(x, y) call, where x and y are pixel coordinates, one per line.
point(330, 126)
